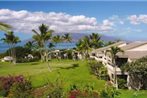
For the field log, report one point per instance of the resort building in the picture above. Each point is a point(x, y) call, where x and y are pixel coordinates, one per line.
point(132, 51)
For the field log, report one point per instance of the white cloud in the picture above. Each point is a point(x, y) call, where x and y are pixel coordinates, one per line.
point(134, 19)
point(117, 20)
point(25, 21)
point(121, 22)
point(107, 22)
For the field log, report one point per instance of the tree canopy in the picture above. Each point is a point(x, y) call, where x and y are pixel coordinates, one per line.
point(137, 71)
point(4, 26)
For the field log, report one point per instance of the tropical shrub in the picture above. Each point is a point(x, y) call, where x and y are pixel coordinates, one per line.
point(85, 92)
point(6, 83)
point(98, 69)
point(50, 90)
point(137, 71)
point(122, 83)
point(23, 60)
point(55, 90)
point(109, 91)
point(69, 54)
point(9, 82)
point(21, 89)
point(2, 55)
point(21, 53)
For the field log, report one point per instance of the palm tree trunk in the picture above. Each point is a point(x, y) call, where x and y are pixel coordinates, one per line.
point(42, 56)
point(10, 52)
point(46, 59)
point(115, 73)
point(86, 54)
point(13, 54)
point(116, 82)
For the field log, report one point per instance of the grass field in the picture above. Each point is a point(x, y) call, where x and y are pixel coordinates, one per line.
point(64, 69)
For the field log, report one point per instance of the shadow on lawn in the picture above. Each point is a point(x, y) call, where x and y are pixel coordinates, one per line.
point(34, 63)
point(70, 67)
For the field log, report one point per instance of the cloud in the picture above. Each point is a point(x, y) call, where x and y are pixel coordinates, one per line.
point(25, 21)
point(134, 19)
point(107, 22)
point(117, 20)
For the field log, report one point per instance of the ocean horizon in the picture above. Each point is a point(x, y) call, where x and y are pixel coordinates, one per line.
point(4, 47)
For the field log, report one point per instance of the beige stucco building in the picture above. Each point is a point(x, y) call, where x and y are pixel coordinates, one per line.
point(132, 51)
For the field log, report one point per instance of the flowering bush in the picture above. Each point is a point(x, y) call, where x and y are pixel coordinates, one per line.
point(12, 85)
point(6, 83)
point(21, 89)
point(86, 92)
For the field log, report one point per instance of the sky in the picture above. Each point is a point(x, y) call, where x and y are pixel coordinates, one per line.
point(126, 20)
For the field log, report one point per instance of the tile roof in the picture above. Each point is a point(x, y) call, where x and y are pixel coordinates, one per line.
point(109, 46)
point(133, 54)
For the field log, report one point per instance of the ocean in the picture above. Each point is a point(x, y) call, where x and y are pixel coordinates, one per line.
point(4, 47)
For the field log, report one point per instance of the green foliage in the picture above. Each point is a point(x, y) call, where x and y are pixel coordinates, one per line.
point(113, 51)
point(53, 89)
point(23, 52)
point(138, 73)
point(109, 43)
point(86, 43)
point(79, 76)
point(98, 69)
point(2, 55)
point(5, 27)
point(24, 60)
point(56, 39)
point(15, 86)
point(11, 40)
point(41, 37)
point(69, 53)
point(66, 37)
point(31, 45)
point(21, 89)
point(109, 92)
point(95, 40)
point(82, 92)
point(122, 83)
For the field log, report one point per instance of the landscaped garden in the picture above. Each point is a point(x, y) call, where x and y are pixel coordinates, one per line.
point(38, 70)
point(68, 71)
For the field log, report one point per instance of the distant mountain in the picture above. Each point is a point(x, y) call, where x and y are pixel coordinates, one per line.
point(77, 36)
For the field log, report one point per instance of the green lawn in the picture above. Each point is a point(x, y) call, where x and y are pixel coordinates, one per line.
point(40, 75)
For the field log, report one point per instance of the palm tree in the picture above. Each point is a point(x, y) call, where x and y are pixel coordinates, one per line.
point(113, 52)
point(108, 43)
point(4, 27)
point(29, 45)
point(66, 37)
point(89, 42)
point(11, 40)
point(84, 46)
point(56, 39)
point(95, 40)
point(41, 38)
point(51, 45)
